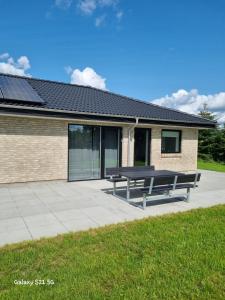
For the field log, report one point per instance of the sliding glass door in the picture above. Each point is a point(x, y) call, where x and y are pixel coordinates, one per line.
point(111, 147)
point(84, 152)
point(92, 149)
point(142, 147)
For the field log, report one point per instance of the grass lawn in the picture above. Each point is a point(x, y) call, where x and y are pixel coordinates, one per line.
point(209, 165)
point(180, 256)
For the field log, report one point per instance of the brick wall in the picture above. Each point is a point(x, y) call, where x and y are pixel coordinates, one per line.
point(184, 161)
point(32, 149)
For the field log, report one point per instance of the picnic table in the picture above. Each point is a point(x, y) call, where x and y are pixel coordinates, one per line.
point(144, 174)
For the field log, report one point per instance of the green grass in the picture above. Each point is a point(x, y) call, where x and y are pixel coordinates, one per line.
point(211, 165)
point(180, 256)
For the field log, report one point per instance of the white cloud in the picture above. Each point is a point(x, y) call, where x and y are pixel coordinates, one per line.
point(64, 4)
point(89, 6)
point(119, 15)
point(100, 21)
point(107, 2)
point(23, 61)
point(4, 56)
point(68, 69)
point(87, 77)
point(9, 66)
point(193, 102)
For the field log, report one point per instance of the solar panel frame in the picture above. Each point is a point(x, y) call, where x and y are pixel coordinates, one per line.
point(1, 94)
point(18, 89)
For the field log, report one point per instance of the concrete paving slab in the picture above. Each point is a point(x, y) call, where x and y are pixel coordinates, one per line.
point(14, 236)
point(68, 215)
point(50, 199)
point(27, 196)
point(7, 205)
point(101, 215)
point(64, 205)
point(80, 224)
point(43, 209)
point(47, 230)
point(5, 198)
point(9, 213)
point(13, 224)
point(32, 210)
point(4, 192)
point(41, 220)
point(28, 202)
point(19, 190)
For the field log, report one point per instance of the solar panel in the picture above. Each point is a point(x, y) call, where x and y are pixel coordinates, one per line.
point(1, 95)
point(18, 89)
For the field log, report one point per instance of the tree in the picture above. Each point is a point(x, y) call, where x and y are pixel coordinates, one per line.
point(211, 141)
point(205, 113)
point(206, 136)
point(218, 148)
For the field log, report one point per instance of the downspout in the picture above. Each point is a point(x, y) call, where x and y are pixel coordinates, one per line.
point(129, 139)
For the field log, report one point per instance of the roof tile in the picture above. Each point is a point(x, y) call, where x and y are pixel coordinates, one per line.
point(75, 98)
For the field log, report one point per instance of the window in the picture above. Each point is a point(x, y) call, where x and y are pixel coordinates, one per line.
point(171, 141)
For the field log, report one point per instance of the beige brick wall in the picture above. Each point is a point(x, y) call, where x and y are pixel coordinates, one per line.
point(32, 149)
point(184, 161)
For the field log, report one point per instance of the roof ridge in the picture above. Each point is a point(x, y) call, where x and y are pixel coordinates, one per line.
point(108, 92)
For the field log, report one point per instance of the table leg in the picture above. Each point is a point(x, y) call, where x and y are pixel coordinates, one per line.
point(114, 188)
point(128, 189)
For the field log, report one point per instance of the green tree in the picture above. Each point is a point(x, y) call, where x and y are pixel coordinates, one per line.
point(206, 136)
point(205, 113)
point(211, 141)
point(218, 148)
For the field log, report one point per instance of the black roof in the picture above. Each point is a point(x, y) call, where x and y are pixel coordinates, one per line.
point(84, 99)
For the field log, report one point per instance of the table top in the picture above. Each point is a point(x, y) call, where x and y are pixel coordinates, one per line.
point(147, 174)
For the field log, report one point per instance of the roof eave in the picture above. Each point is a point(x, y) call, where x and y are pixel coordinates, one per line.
point(34, 111)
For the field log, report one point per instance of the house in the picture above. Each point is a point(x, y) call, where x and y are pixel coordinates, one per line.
point(51, 130)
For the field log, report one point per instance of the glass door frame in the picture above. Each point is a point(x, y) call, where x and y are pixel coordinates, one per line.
point(68, 153)
point(101, 150)
point(147, 146)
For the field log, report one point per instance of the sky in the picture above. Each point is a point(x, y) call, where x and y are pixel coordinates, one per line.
point(169, 52)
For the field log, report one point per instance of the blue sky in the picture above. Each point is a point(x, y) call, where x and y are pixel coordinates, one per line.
point(144, 49)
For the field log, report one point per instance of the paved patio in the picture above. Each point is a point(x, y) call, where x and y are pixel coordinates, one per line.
point(43, 209)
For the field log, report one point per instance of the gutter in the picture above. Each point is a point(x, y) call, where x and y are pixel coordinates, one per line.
point(129, 140)
point(126, 119)
point(210, 124)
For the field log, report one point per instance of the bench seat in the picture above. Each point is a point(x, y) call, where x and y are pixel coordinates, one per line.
point(161, 184)
point(116, 179)
point(168, 187)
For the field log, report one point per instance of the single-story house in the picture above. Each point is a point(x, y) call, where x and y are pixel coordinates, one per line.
point(52, 130)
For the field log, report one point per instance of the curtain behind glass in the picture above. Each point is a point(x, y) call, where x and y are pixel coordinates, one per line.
point(84, 152)
point(111, 144)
